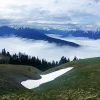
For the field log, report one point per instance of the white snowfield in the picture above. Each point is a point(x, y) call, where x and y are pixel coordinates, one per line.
point(31, 84)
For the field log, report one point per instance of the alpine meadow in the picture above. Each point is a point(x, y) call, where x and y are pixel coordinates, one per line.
point(49, 50)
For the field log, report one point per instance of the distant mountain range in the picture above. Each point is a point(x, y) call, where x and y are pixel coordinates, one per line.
point(74, 33)
point(34, 34)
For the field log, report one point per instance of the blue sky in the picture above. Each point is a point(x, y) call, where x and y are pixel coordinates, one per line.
point(81, 12)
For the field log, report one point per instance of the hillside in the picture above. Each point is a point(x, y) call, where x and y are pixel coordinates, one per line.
point(81, 83)
point(12, 75)
point(33, 34)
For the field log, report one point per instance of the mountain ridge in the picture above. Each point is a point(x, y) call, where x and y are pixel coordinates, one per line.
point(29, 33)
point(74, 33)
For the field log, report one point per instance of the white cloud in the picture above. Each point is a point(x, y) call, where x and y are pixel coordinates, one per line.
point(89, 48)
point(51, 10)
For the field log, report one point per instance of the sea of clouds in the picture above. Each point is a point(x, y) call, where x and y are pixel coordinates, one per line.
point(42, 49)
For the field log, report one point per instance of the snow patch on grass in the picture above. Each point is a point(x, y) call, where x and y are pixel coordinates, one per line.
point(31, 84)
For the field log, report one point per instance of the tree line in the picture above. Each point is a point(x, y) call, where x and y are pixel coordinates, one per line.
point(42, 64)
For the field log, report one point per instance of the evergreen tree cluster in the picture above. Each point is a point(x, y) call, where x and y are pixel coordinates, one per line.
point(42, 64)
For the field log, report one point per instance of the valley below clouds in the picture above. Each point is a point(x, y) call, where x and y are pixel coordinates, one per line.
point(42, 49)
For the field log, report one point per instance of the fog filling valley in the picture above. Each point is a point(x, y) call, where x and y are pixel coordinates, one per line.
point(49, 51)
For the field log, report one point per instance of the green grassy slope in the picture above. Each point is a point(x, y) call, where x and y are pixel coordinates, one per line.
point(12, 75)
point(81, 83)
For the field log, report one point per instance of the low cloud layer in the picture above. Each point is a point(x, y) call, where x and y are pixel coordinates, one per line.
point(89, 48)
